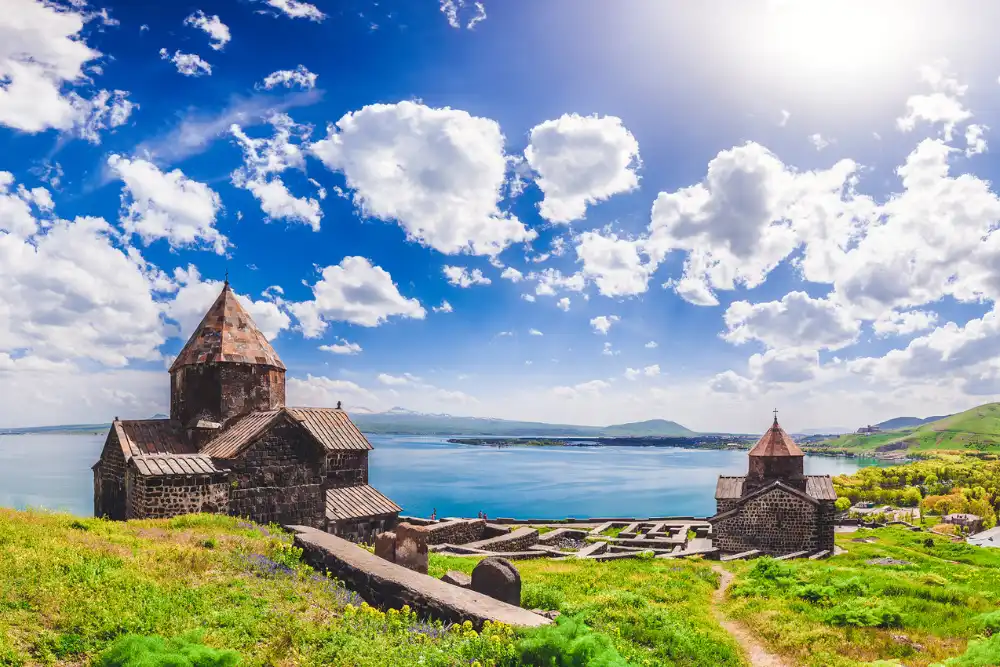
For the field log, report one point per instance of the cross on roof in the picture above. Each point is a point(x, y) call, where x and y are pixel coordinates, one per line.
point(776, 414)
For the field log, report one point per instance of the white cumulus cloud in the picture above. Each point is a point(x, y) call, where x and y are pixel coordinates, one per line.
point(580, 161)
point(188, 64)
point(602, 323)
point(213, 25)
point(438, 172)
point(167, 205)
point(353, 291)
point(462, 277)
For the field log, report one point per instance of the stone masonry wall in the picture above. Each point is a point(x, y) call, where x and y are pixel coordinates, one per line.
point(725, 504)
point(776, 523)
point(109, 480)
point(363, 531)
point(165, 496)
point(220, 391)
point(280, 478)
point(461, 531)
point(348, 468)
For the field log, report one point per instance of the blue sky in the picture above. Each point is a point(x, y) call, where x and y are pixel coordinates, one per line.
point(706, 210)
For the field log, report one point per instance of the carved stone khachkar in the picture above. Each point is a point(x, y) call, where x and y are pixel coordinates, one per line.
point(775, 508)
point(498, 578)
point(231, 445)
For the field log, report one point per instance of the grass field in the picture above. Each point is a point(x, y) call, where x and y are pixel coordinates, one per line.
point(844, 611)
point(71, 587)
point(977, 429)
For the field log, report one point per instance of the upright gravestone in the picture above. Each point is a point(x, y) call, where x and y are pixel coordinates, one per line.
point(411, 547)
point(498, 578)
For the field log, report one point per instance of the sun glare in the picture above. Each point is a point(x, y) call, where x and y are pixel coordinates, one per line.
point(836, 37)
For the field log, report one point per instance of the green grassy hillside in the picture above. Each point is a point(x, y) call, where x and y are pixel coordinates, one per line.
point(73, 591)
point(977, 429)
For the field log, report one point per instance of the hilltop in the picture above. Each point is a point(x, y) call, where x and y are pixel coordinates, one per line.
point(977, 429)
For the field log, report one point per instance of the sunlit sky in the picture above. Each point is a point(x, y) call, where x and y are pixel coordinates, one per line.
point(560, 210)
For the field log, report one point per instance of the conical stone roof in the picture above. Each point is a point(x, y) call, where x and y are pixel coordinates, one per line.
point(775, 442)
point(227, 334)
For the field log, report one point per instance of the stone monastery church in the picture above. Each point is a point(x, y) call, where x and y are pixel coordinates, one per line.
point(232, 446)
point(774, 508)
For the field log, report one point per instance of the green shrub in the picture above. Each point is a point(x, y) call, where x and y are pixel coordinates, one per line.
point(815, 593)
point(862, 613)
point(209, 543)
point(286, 554)
point(539, 596)
point(568, 643)
point(981, 653)
point(989, 622)
point(155, 651)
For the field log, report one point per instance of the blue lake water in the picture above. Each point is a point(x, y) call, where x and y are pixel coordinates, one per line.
point(426, 473)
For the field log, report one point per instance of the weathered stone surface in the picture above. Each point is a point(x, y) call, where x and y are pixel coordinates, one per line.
point(386, 584)
point(776, 522)
point(458, 531)
point(498, 578)
point(517, 540)
point(411, 547)
point(385, 546)
point(456, 578)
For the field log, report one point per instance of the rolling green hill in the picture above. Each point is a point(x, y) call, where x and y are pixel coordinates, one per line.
point(977, 429)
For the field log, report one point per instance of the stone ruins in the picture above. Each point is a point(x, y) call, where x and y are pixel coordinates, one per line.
point(232, 446)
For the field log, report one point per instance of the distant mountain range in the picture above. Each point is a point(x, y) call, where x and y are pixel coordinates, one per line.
point(402, 421)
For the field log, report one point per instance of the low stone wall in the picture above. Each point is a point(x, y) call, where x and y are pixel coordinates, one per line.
point(461, 531)
point(518, 540)
point(386, 584)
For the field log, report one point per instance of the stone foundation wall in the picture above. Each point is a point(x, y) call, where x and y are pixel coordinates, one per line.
point(280, 478)
point(776, 523)
point(362, 531)
point(518, 540)
point(346, 468)
point(109, 480)
point(461, 531)
point(171, 495)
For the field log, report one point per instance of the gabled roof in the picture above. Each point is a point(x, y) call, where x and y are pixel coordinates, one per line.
point(356, 502)
point(775, 442)
point(331, 428)
point(773, 486)
point(227, 334)
point(151, 436)
point(245, 430)
point(155, 465)
point(818, 487)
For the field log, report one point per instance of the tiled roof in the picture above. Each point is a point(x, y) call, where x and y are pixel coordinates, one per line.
point(729, 487)
point(229, 443)
point(227, 334)
point(356, 502)
point(331, 427)
point(775, 442)
point(175, 464)
point(818, 487)
point(152, 436)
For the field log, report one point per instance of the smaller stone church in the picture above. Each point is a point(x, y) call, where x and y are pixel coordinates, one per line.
point(232, 446)
point(774, 508)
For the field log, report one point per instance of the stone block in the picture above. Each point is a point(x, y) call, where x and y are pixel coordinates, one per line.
point(498, 578)
point(385, 546)
point(456, 578)
point(411, 547)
